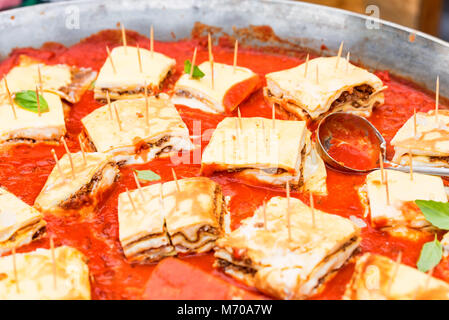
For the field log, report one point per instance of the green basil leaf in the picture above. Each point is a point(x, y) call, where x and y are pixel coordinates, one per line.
point(197, 73)
point(147, 175)
point(431, 254)
point(27, 100)
point(437, 213)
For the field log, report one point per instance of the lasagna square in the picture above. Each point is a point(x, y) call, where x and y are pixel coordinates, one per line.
point(401, 210)
point(231, 87)
point(19, 223)
point(251, 149)
point(324, 89)
point(287, 261)
point(82, 192)
point(168, 221)
point(123, 78)
point(36, 279)
point(379, 278)
point(68, 82)
point(429, 146)
point(30, 127)
point(134, 140)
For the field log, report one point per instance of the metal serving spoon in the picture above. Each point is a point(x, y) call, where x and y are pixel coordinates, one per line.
point(347, 120)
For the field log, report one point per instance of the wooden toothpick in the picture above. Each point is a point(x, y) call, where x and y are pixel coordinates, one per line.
point(139, 187)
point(386, 188)
point(306, 66)
point(38, 101)
point(82, 150)
point(14, 265)
point(11, 101)
point(53, 261)
point(152, 41)
point(69, 155)
point(382, 172)
point(348, 56)
point(211, 59)
point(118, 118)
point(240, 118)
point(212, 73)
point(193, 64)
point(139, 58)
point(312, 207)
point(131, 201)
point(437, 98)
point(288, 212)
point(339, 55)
point(110, 59)
point(61, 173)
point(410, 162)
point(124, 37)
point(209, 46)
point(39, 77)
point(176, 179)
point(236, 48)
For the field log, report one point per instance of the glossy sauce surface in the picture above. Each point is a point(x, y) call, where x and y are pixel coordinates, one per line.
point(24, 169)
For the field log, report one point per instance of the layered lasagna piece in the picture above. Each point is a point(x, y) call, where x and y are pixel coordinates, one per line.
point(123, 78)
point(344, 88)
point(167, 221)
point(378, 278)
point(19, 223)
point(39, 277)
point(130, 138)
point(231, 87)
point(287, 260)
point(252, 149)
point(29, 126)
point(401, 211)
point(429, 146)
point(68, 82)
point(79, 193)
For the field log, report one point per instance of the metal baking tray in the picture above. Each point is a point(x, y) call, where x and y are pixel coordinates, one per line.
point(374, 43)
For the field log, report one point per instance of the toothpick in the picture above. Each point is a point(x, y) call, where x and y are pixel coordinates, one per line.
point(193, 63)
point(348, 56)
point(306, 66)
point(339, 55)
point(38, 101)
point(108, 99)
point(14, 265)
point(69, 155)
point(209, 45)
point(265, 215)
point(312, 206)
point(110, 59)
point(11, 102)
point(386, 188)
point(395, 271)
point(139, 58)
point(288, 212)
point(317, 79)
point(53, 260)
point(152, 41)
point(82, 150)
point(382, 173)
point(39, 77)
point(437, 97)
point(124, 37)
point(240, 118)
point(415, 127)
point(236, 48)
point(212, 72)
point(176, 179)
point(131, 201)
point(118, 118)
point(139, 187)
point(410, 160)
point(61, 173)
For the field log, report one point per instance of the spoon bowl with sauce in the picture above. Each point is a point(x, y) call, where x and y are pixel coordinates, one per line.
point(350, 143)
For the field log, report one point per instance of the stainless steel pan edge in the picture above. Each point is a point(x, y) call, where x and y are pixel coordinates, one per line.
point(387, 47)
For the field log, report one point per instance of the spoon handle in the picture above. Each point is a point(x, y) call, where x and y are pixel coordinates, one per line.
point(443, 172)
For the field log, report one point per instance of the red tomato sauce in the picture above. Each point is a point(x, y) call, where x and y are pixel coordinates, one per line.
point(24, 169)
